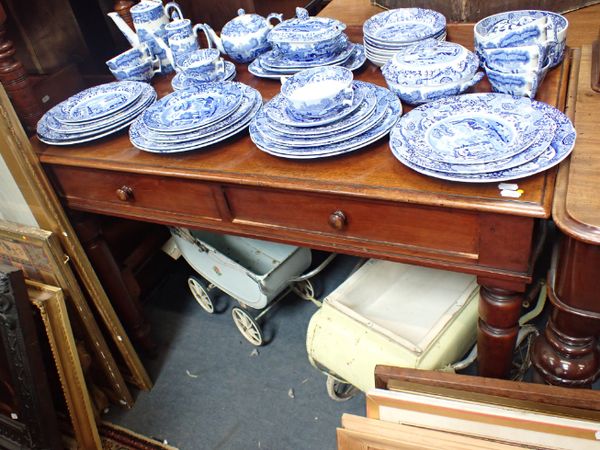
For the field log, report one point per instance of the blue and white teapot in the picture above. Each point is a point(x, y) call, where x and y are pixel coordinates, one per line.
point(244, 37)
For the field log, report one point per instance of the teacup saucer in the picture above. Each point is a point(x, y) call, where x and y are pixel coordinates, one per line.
point(180, 81)
point(279, 111)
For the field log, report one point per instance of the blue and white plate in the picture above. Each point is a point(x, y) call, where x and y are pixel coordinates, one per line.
point(194, 107)
point(180, 81)
point(264, 124)
point(99, 101)
point(372, 96)
point(404, 25)
point(263, 142)
point(472, 128)
point(143, 138)
point(356, 59)
point(278, 109)
point(273, 60)
point(144, 101)
point(559, 149)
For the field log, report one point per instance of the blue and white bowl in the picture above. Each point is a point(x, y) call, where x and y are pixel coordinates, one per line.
point(418, 94)
point(319, 91)
point(430, 63)
point(404, 25)
point(523, 84)
point(516, 59)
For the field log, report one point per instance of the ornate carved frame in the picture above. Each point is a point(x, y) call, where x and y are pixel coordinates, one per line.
point(33, 425)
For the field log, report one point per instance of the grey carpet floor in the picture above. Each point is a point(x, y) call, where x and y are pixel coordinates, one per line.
point(214, 391)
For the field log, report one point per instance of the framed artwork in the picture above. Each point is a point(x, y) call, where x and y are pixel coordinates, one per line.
point(27, 416)
point(39, 255)
point(21, 161)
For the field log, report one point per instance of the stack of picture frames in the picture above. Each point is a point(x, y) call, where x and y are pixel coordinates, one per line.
point(71, 299)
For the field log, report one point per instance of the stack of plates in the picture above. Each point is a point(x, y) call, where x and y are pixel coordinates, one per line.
point(393, 31)
point(95, 112)
point(478, 138)
point(195, 117)
point(374, 111)
point(274, 64)
point(181, 81)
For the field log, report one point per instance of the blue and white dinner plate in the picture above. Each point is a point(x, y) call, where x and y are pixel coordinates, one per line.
point(146, 99)
point(286, 140)
point(194, 107)
point(472, 128)
point(141, 137)
point(356, 59)
point(263, 142)
point(559, 149)
point(372, 96)
point(180, 81)
point(273, 60)
point(404, 25)
point(99, 101)
point(278, 109)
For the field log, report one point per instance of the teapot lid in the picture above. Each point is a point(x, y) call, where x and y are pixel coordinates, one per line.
point(304, 28)
point(244, 24)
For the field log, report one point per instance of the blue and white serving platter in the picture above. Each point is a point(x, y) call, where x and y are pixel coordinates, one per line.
point(472, 128)
point(180, 81)
point(372, 96)
point(264, 124)
point(145, 100)
point(278, 109)
point(261, 139)
point(561, 146)
point(141, 137)
point(193, 108)
point(273, 60)
point(404, 25)
point(356, 59)
point(99, 101)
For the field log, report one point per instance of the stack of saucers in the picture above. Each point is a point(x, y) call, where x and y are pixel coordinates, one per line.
point(323, 112)
point(95, 112)
point(305, 42)
point(393, 31)
point(478, 138)
point(196, 117)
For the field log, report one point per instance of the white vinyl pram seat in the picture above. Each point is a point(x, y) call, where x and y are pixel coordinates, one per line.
point(393, 314)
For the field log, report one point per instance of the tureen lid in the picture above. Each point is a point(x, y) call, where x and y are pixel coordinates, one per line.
point(304, 28)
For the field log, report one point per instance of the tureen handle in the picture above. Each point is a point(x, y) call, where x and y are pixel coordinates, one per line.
point(272, 16)
point(301, 13)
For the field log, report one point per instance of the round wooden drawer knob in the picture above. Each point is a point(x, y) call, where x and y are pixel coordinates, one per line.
point(125, 193)
point(337, 220)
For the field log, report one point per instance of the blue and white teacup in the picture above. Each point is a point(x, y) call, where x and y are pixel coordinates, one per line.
point(203, 65)
point(139, 72)
point(183, 37)
point(523, 84)
point(516, 59)
point(136, 64)
point(319, 91)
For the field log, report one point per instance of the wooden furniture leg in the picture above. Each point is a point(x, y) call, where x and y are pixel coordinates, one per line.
point(497, 330)
point(16, 82)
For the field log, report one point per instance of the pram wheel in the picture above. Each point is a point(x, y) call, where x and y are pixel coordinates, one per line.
point(339, 390)
point(247, 326)
point(204, 295)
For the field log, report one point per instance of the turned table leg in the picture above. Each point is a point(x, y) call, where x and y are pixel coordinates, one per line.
point(499, 311)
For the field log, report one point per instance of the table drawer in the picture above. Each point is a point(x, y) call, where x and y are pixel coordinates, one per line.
point(373, 223)
point(147, 197)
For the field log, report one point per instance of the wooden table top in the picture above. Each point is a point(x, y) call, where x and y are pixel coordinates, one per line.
point(370, 172)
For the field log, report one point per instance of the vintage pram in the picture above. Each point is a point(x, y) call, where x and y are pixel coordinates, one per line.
point(256, 273)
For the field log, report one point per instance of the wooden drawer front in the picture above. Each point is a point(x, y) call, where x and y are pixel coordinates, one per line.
point(162, 197)
point(370, 221)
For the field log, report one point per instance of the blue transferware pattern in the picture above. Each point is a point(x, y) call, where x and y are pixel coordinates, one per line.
point(260, 136)
point(395, 46)
point(275, 60)
point(180, 81)
point(472, 128)
point(132, 57)
point(278, 110)
point(367, 98)
point(193, 107)
point(305, 29)
point(416, 95)
point(431, 62)
point(142, 72)
point(307, 52)
point(559, 149)
point(99, 101)
point(404, 25)
point(518, 84)
point(515, 59)
point(251, 103)
point(146, 99)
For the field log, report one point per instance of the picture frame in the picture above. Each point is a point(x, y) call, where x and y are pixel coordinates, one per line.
point(19, 157)
point(39, 255)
